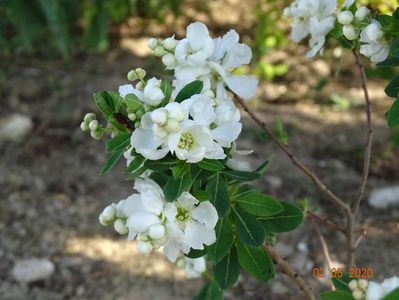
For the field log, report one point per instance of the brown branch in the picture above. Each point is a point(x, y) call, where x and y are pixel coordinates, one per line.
point(367, 150)
point(327, 221)
point(323, 243)
point(291, 273)
point(305, 170)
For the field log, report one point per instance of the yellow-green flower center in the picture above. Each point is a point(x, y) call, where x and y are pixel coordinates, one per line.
point(182, 214)
point(186, 141)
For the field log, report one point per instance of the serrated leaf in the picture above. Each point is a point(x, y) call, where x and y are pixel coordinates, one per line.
point(217, 187)
point(193, 88)
point(336, 295)
point(112, 160)
point(119, 142)
point(241, 176)
point(227, 270)
point(175, 187)
point(392, 89)
point(166, 89)
point(210, 165)
point(394, 295)
point(256, 262)
point(289, 219)
point(260, 205)
point(249, 230)
point(393, 115)
point(342, 283)
point(224, 240)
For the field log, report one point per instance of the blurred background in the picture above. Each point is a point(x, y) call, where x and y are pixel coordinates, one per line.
point(55, 54)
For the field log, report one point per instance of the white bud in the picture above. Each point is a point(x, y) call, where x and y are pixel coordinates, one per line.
point(93, 125)
point(363, 284)
point(97, 135)
point(175, 111)
point(107, 215)
point(140, 86)
point(345, 17)
point(169, 43)
point(152, 43)
point(209, 94)
point(172, 125)
point(144, 247)
point(157, 231)
point(120, 227)
point(287, 12)
point(89, 117)
point(160, 132)
point(169, 60)
point(132, 116)
point(153, 94)
point(357, 295)
point(84, 126)
point(159, 116)
point(362, 13)
point(140, 73)
point(132, 75)
point(353, 285)
point(159, 51)
point(373, 32)
point(350, 32)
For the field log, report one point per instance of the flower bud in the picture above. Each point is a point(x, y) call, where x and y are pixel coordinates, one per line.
point(157, 231)
point(120, 227)
point(353, 285)
point(172, 125)
point(107, 215)
point(152, 43)
point(349, 32)
point(132, 75)
point(140, 113)
point(175, 111)
point(357, 295)
point(132, 116)
point(89, 117)
point(373, 32)
point(154, 95)
point(362, 283)
point(84, 126)
point(140, 86)
point(140, 73)
point(169, 60)
point(362, 13)
point(345, 17)
point(159, 116)
point(93, 125)
point(159, 51)
point(137, 124)
point(169, 43)
point(144, 247)
point(287, 12)
point(160, 132)
point(97, 135)
point(209, 93)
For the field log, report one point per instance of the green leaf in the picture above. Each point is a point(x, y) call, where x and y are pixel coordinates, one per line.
point(194, 253)
point(260, 205)
point(160, 165)
point(167, 91)
point(241, 175)
point(263, 167)
point(394, 295)
point(210, 165)
point(256, 262)
point(217, 187)
point(281, 134)
point(336, 295)
point(108, 102)
point(227, 270)
point(224, 240)
point(95, 34)
point(392, 89)
point(194, 87)
point(249, 230)
point(209, 292)
point(175, 187)
point(180, 169)
point(136, 173)
point(133, 103)
point(112, 159)
point(287, 220)
point(389, 62)
point(394, 48)
point(201, 195)
point(119, 142)
point(160, 178)
point(342, 283)
point(136, 163)
point(243, 190)
point(393, 115)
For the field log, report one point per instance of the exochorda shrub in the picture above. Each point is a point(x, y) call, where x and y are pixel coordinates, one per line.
point(178, 138)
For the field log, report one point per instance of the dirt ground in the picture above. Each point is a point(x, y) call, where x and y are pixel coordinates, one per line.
point(51, 193)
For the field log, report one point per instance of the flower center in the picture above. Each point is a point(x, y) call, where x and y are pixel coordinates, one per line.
point(186, 141)
point(182, 214)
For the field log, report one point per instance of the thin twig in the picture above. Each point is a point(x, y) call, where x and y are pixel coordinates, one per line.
point(291, 273)
point(360, 238)
point(367, 150)
point(327, 221)
point(309, 173)
point(323, 243)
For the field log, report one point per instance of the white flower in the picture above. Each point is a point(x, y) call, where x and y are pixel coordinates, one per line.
point(377, 291)
point(362, 13)
point(193, 267)
point(235, 162)
point(345, 17)
point(350, 32)
point(375, 47)
point(129, 89)
point(371, 33)
point(227, 123)
point(153, 95)
point(193, 225)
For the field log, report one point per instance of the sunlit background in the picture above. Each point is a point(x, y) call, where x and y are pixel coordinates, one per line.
point(55, 54)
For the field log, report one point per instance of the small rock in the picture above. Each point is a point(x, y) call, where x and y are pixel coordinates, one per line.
point(321, 67)
point(279, 288)
point(383, 197)
point(32, 269)
point(274, 181)
point(15, 127)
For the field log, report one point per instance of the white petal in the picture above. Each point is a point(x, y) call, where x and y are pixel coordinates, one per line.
point(227, 133)
point(374, 291)
point(170, 212)
point(141, 222)
point(173, 140)
point(243, 86)
point(142, 185)
point(196, 235)
point(152, 202)
point(238, 165)
point(196, 154)
point(198, 36)
point(215, 152)
point(127, 207)
point(187, 201)
point(299, 31)
point(206, 214)
point(202, 110)
point(237, 55)
point(172, 251)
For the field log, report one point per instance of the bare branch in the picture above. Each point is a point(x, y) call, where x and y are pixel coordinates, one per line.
point(327, 221)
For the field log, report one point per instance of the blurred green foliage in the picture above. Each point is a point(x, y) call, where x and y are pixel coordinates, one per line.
point(69, 25)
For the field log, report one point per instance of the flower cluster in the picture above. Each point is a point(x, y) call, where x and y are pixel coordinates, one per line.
point(317, 18)
point(358, 288)
point(177, 226)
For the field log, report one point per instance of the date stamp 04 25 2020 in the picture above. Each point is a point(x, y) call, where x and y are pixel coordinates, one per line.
point(354, 273)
